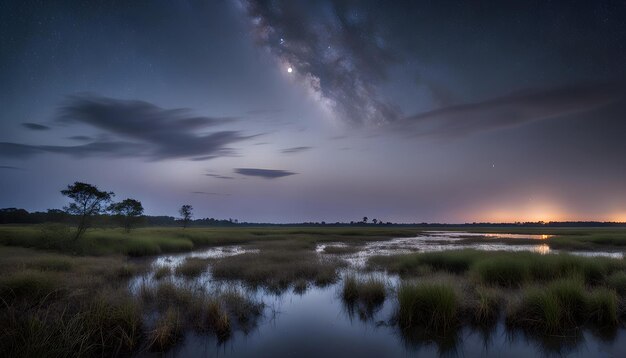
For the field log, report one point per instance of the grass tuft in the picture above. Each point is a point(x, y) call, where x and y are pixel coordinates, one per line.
point(162, 272)
point(192, 267)
point(167, 330)
point(433, 306)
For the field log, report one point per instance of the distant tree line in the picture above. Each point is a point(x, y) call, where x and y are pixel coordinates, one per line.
point(22, 216)
point(90, 206)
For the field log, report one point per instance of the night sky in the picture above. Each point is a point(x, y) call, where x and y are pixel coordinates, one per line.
point(290, 111)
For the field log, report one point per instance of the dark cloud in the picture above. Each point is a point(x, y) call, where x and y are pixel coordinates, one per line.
point(80, 138)
point(8, 167)
point(264, 173)
point(295, 150)
point(139, 129)
point(100, 149)
point(35, 126)
point(334, 46)
point(217, 176)
point(512, 110)
point(16, 150)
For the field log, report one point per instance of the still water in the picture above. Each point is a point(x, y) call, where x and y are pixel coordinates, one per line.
point(318, 323)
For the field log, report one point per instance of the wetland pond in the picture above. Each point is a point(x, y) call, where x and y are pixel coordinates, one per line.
point(315, 321)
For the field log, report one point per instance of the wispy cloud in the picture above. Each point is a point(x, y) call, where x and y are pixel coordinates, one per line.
point(217, 176)
point(264, 173)
point(80, 138)
point(511, 110)
point(138, 129)
point(295, 150)
point(9, 167)
point(35, 126)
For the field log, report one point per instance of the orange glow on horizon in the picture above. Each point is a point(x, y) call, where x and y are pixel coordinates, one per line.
point(543, 211)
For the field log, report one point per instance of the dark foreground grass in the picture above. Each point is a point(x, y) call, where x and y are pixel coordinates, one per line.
point(56, 306)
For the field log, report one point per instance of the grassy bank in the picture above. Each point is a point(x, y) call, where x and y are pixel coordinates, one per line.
point(153, 241)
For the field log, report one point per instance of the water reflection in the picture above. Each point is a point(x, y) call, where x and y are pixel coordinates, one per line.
point(432, 241)
point(311, 321)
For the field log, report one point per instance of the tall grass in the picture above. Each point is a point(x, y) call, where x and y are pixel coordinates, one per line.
point(433, 306)
point(369, 291)
point(167, 331)
point(562, 305)
point(192, 267)
point(486, 306)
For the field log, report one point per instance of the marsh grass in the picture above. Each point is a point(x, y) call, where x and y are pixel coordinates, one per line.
point(502, 271)
point(458, 261)
point(219, 313)
point(300, 286)
point(602, 305)
point(433, 306)
point(30, 286)
point(370, 291)
point(218, 320)
point(192, 267)
point(53, 263)
point(157, 240)
point(276, 270)
point(56, 305)
point(244, 309)
point(162, 272)
point(506, 269)
point(167, 331)
point(341, 250)
point(564, 305)
point(617, 281)
point(485, 307)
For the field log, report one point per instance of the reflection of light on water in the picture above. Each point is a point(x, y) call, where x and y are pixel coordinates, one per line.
point(542, 249)
point(443, 241)
point(463, 234)
point(517, 236)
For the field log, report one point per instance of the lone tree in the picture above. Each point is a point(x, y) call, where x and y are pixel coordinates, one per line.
point(186, 214)
point(365, 220)
point(129, 212)
point(87, 202)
